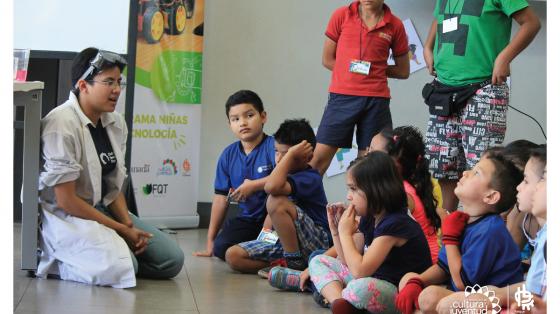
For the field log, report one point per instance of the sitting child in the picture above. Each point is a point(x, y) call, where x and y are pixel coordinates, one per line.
point(365, 277)
point(243, 168)
point(536, 278)
point(521, 224)
point(406, 145)
point(295, 205)
point(478, 248)
point(533, 202)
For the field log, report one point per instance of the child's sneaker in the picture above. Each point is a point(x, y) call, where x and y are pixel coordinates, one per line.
point(284, 278)
point(297, 263)
point(319, 299)
point(263, 273)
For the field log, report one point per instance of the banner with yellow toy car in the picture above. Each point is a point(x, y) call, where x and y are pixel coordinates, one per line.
point(167, 111)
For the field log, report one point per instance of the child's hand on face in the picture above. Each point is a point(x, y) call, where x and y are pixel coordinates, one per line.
point(348, 224)
point(302, 152)
point(453, 226)
point(334, 212)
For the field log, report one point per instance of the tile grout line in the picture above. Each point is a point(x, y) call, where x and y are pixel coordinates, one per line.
point(188, 278)
point(23, 294)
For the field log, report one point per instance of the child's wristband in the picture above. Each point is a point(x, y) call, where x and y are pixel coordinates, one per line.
point(416, 281)
point(448, 240)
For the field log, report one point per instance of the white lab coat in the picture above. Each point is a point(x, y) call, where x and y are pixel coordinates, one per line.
point(79, 249)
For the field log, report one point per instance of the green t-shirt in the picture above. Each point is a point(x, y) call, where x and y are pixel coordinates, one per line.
point(466, 55)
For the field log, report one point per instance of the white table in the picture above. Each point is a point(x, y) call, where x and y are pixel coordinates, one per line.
point(29, 96)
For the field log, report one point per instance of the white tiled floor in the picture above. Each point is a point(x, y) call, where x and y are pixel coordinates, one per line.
point(203, 286)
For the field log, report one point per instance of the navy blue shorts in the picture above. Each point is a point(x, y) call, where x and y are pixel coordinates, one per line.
point(235, 231)
point(369, 115)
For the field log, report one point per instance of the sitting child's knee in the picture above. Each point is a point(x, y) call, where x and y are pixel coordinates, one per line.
point(448, 303)
point(275, 204)
point(316, 264)
point(234, 255)
point(445, 304)
point(429, 298)
point(220, 248)
point(405, 279)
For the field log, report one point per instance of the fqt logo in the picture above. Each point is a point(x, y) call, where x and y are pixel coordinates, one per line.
point(155, 189)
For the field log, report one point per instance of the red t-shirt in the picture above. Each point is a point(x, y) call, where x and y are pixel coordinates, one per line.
point(345, 28)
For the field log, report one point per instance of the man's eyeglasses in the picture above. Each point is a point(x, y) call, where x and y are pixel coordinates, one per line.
point(110, 83)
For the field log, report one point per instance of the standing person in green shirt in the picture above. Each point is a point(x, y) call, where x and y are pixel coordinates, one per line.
point(469, 42)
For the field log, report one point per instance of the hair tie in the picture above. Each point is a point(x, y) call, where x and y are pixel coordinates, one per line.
point(395, 138)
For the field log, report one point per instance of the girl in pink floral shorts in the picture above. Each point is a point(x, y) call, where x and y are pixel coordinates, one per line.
point(375, 253)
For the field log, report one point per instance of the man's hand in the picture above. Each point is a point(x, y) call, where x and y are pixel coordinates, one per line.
point(136, 239)
point(127, 222)
point(208, 252)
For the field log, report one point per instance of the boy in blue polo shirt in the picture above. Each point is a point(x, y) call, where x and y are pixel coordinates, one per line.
point(531, 197)
point(242, 168)
point(296, 206)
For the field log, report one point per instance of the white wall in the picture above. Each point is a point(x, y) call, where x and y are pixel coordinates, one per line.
point(274, 48)
point(71, 25)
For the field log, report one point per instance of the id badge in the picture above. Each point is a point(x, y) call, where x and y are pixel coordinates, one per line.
point(450, 25)
point(268, 236)
point(360, 67)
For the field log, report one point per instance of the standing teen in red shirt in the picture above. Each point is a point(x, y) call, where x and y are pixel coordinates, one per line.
point(356, 50)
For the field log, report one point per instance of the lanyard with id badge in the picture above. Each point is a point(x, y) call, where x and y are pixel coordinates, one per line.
point(360, 66)
point(269, 236)
point(266, 235)
point(451, 24)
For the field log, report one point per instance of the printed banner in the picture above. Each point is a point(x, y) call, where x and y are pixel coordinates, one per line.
point(415, 48)
point(167, 111)
point(342, 159)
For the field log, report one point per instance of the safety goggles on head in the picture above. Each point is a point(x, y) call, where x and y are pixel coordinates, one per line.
point(102, 58)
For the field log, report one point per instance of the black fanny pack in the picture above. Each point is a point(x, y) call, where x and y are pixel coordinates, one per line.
point(444, 100)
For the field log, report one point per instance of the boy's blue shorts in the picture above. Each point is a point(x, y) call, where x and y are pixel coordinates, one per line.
point(370, 115)
point(311, 237)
